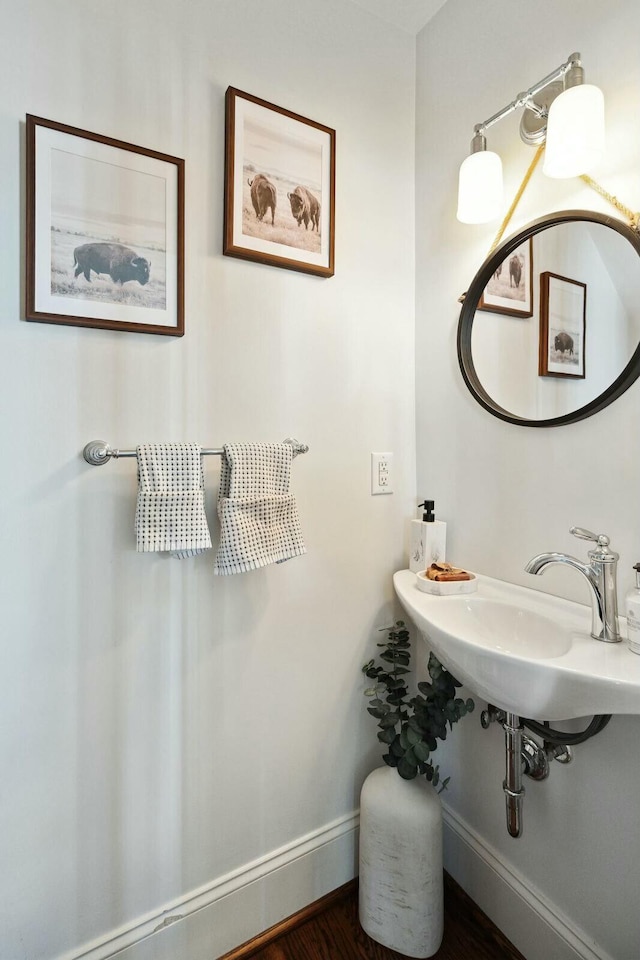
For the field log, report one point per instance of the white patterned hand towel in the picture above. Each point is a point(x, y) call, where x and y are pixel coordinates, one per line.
point(170, 508)
point(259, 522)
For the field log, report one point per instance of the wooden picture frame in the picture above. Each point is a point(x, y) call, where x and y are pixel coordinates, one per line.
point(105, 232)
point(279, 202)
point(563, 321)
point(510, 289)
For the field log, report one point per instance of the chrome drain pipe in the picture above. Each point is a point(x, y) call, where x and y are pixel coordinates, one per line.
point(512, 786)
point(525, 757)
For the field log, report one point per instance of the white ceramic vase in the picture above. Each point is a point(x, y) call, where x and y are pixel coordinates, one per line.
point(401, 888)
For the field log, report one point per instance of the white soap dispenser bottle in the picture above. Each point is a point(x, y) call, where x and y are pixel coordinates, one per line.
point(427, 540)
point(632, 612)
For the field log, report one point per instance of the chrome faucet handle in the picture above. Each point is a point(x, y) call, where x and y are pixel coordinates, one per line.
point(600, 538)
point(602, 552)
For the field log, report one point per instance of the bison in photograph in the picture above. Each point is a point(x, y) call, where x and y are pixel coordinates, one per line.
point(563, 343)
point(515, 271)
point(263, 196)
point(119, 262)
point(304, 206)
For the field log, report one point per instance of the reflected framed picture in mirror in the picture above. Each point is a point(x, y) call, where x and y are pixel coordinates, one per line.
point(563, 318)
point(500, 359)
point(510, 287)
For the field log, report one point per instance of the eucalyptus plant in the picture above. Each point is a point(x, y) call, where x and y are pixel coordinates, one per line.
point(412, 726)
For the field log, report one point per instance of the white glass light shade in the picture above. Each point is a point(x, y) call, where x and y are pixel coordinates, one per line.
point(575, 132)
point(480, 189)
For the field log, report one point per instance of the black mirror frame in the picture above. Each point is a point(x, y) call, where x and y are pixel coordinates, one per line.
point(472, 298)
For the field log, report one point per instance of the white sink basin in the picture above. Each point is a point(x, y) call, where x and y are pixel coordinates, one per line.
point(525, 651)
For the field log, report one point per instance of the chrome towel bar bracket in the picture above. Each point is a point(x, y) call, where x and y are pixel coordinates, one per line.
point(98, 452)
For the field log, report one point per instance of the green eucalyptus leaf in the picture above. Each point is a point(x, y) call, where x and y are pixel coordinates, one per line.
point(411, 727)
point(406, 770)
point(415, 724)
point(395, 656)
point(435, 668)
point(421, 751)
point(410, 757)
point(378, 712)
point(396, 693)
point(390, 720)
point(387, 736)
point(413, 736)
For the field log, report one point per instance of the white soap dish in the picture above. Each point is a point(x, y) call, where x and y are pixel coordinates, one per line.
point(446, 588)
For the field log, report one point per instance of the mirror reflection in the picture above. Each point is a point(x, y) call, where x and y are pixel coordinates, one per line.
point(558, 320)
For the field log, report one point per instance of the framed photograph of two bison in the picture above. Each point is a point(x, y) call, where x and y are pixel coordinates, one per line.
point(105, 232)
point(510, 289)
point(279, 186)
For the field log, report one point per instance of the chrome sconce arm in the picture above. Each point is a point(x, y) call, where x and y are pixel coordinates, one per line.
point(571, 73)
point(574, 141)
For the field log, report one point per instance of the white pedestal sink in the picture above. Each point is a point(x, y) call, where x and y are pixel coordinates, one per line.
point(525, 651)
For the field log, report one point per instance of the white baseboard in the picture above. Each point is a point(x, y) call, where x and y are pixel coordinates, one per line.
point(210, 921)
point(526, 917)
point(207, 922)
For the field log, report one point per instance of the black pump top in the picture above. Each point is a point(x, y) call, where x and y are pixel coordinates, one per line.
point(428, 515)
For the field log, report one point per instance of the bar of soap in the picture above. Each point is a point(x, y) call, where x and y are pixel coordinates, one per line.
point(446, 573)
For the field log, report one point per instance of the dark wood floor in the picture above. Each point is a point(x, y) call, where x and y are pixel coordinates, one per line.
point(335, 934)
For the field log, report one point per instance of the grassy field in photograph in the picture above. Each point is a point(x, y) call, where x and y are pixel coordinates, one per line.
point(566, 359)
point(102, 288)
point(499, 286)
point(285, 229)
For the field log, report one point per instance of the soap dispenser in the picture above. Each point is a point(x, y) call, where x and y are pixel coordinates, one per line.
point(428, 540)
point(632, 612)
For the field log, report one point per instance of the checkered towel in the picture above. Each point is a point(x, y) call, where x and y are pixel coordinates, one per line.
point(258, 516)
point(170, 508)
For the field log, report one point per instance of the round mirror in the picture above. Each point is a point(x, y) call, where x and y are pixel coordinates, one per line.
point(549, 331)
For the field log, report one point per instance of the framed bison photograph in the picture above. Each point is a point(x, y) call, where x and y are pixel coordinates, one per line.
point(563, 320)
point(510, 289)
point(105, 232)
point(279, 186)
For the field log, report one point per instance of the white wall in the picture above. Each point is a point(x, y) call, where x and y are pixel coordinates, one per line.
point(164, 730)
point(509, 492)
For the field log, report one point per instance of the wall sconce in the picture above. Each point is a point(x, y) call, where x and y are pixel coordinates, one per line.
point(560, 109)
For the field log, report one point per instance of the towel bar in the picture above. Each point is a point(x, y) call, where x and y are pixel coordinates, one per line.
point(97, 452)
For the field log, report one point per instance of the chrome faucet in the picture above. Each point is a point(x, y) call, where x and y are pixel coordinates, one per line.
point(600, 573)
